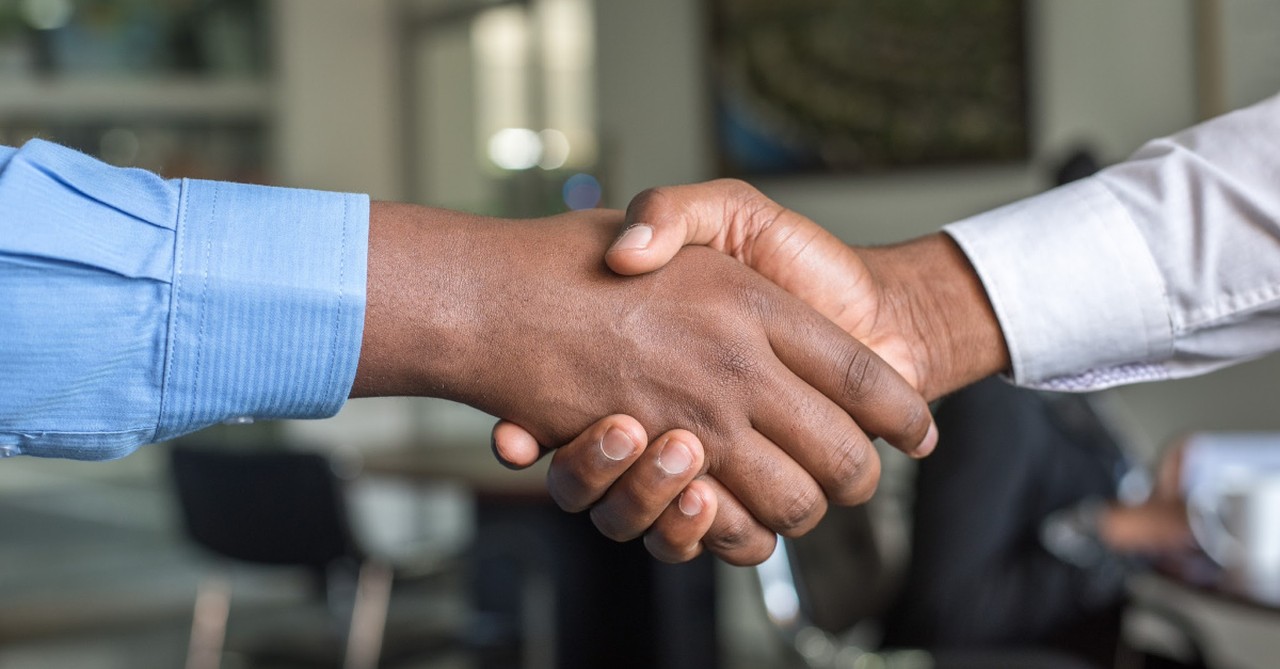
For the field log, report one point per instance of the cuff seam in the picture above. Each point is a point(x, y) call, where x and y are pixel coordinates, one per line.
point(338, 312)
point(175, 300)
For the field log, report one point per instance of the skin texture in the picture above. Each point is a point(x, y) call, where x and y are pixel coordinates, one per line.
point(522, 319)
point(919, 305)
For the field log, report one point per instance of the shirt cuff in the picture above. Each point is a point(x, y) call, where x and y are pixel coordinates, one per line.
point(267, 307)
point(1074, 287)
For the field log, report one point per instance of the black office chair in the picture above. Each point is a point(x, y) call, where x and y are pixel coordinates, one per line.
point(284, 508)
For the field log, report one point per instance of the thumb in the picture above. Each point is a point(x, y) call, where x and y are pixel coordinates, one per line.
point(660, 221)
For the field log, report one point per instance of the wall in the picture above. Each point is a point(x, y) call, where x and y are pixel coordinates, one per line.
point(337, 103)
point(1109, 73)
point(1089, 83)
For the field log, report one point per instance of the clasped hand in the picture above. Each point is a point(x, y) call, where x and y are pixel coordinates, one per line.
point(633, 491)
point(764, 399)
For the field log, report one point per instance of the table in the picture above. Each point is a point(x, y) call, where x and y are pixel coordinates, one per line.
point(571, 597)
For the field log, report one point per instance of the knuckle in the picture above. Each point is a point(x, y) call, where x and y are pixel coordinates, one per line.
point(916, 422)
point(755, 211)
point(861, 480)
point(751, 554)
point(567, 487)
point(732, 535)
point(848, 467)
point(627, 511)
point(650, 204)
point(706, 417)
point(663, 548)
point(567, 501)
point(862, 375)
point(800, 513)
point(659, 548)
point(611, 525)
point(639, 503)
point(739, 190)
point(736, 360)
point(753, 299)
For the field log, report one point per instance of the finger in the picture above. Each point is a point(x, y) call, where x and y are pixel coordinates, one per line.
point(851, 375)
point(583, 470)
point(769, 482)
point(676, 536)
point(1168, 485)
point(822, 438)
point(648, 487)
point(660, 221)
point(514, 447)
point(735, 535)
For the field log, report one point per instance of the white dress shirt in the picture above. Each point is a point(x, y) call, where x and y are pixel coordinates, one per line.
point(1164, 266)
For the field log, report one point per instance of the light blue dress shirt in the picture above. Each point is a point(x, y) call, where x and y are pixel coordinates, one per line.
point(135, 309)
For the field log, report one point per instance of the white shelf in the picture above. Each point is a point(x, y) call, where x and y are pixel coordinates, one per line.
point(64, 98)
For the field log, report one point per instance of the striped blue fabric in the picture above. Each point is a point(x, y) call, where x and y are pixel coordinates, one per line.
point(135, 309)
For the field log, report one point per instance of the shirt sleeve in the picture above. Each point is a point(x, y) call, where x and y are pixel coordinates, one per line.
point(1164, 266)
point(135, 309)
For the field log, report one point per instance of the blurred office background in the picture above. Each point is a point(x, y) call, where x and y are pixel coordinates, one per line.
point(528, 108)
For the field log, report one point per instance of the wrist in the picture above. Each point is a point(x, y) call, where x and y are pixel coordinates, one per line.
point(421, 302)
point(939, 305)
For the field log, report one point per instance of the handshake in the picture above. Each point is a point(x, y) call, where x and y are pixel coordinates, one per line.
point(705, 398)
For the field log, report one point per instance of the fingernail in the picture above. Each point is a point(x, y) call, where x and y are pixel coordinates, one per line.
point(690, 504)
point(930, 442)
point(675, 457)
point(634, 238)
point(616, 445)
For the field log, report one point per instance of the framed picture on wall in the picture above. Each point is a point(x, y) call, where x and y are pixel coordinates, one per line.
point(816, 86)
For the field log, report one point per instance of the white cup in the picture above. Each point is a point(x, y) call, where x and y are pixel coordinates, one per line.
point(1236, 520)
point(1213, 457)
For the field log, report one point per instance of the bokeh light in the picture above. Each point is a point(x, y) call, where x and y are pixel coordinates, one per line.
point(119, 146)
point(47, 14)
point(582, 191)
point(515, 148)
point(555, 149)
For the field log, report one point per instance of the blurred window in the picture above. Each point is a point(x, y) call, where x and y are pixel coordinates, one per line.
point(502, 106)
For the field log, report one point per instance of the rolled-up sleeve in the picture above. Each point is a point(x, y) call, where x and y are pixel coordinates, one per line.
point(135, 309)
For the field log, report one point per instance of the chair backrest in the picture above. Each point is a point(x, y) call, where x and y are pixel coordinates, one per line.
point(839, 571)
point(283, 508)
point(828, 583)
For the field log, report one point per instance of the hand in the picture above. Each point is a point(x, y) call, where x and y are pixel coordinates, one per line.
point(520, 319)
point(1159, 525)
point(917, 305)
point(1155, 527)
point(630, 487)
